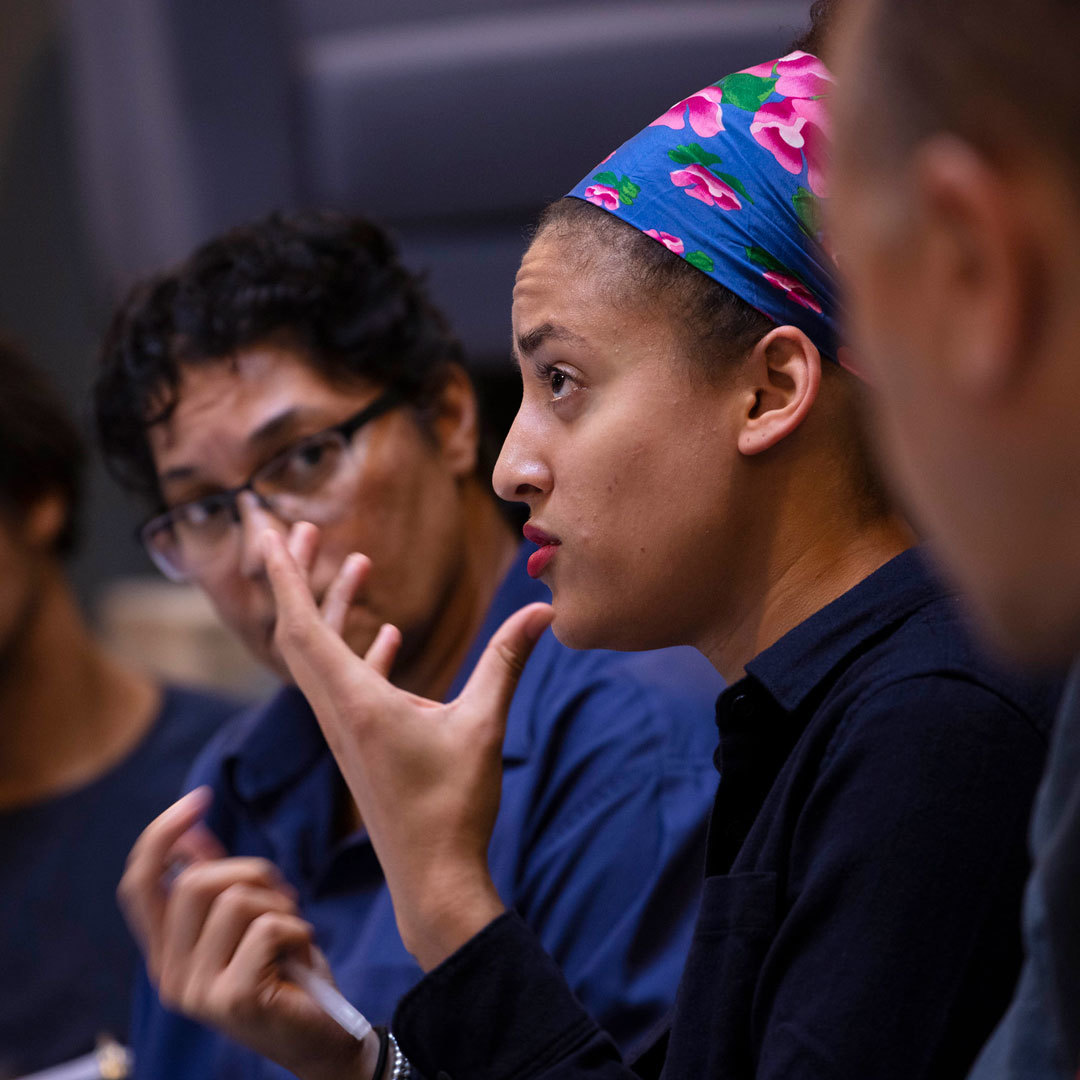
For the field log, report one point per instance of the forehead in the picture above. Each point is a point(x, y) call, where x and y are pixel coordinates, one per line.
point(577, 282)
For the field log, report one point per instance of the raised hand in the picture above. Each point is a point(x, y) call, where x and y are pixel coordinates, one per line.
point(426, 776)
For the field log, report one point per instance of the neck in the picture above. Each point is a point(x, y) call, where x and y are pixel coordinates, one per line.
point(792, 580)
point(68, 711)
point(486, 556)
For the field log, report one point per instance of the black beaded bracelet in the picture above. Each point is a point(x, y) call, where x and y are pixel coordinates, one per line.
point(384, 1050)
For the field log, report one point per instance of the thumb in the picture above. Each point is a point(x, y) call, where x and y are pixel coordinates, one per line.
point(495, 678)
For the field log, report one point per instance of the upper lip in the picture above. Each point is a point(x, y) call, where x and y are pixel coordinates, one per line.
point(537, 536)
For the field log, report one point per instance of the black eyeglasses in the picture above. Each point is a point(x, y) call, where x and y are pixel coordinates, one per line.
point(312, 480)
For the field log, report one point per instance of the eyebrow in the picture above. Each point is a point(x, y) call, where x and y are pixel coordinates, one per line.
point(529, 342)
point(268, 432)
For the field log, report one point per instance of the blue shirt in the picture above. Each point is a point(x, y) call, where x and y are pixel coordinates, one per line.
point(598, 844)
point(864, 869)
point(1037, 1039)
point(66, 957)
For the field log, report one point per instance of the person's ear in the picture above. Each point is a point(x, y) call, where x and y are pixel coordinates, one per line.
point(456, 423)
point(979, 263)
point(781, 378)
point(45, 520)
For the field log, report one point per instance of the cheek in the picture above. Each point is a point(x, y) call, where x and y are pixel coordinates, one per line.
point(631, 511)
point(406, 520)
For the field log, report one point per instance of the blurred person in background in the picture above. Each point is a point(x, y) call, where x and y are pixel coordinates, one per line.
point(293, 369)
point(90, 751)
point(675, 328)
point(958, 224)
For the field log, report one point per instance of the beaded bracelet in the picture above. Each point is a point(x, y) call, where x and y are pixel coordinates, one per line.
point(402, 1068)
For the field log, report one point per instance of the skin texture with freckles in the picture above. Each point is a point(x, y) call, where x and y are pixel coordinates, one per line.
point(418, 510)
point(690, 510)
point(962, 267)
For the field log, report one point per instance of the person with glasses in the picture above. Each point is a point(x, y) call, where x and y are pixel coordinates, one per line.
point(89, 751)
point(292, 370)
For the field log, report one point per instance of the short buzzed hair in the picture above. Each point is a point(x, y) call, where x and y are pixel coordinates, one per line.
point(41, 450)
point(997, 73)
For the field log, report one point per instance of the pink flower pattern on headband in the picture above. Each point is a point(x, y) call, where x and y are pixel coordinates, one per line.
point(749, 153)
point(795, 130)
point(702, 184)
point(603, 195)
point(796, 290)
point(672, 243)
point(703, 110)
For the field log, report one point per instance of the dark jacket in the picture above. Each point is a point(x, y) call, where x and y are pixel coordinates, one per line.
point(865, 865)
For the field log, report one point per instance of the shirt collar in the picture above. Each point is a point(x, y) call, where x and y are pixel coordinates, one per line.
point(282, 738)
point(796, 665)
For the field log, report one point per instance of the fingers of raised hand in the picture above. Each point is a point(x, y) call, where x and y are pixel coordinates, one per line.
point(384, 649)
point(303, 545)
point(312, 650)
point(493, 681)
point(343, 590)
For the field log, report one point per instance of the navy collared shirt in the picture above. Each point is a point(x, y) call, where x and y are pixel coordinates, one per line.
point(598, 844)
point(864, 871)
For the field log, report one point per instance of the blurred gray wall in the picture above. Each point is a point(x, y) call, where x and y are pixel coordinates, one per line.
point(131, 130)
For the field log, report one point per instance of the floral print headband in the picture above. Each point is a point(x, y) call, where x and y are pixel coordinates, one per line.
point(732, 178)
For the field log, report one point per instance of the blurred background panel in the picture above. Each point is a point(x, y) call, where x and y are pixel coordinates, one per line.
point(131, 130)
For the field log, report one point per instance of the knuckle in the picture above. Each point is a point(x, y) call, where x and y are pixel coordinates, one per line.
point(510, 657)
point(291, 630)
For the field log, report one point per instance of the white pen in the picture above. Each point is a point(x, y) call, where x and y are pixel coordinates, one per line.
point(327, 996)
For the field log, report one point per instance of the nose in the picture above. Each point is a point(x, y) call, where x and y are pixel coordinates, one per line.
point(255, 519)
point(521, 472)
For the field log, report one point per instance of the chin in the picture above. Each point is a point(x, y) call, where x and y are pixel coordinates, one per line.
point(607, 629)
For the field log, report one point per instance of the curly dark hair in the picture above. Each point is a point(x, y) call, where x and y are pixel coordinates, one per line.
point(823, 18)
point(329, 282)
point(41, 450)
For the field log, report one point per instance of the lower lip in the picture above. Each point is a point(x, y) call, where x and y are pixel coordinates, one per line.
point(538, 560)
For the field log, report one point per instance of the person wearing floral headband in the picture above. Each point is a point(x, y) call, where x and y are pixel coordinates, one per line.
point(693, 464)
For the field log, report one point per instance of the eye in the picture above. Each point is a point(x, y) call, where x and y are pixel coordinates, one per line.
point(307, 466)
point(201, 512)
point(560, 382)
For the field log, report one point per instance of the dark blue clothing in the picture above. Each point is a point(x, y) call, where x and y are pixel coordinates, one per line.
point(863, 875)
point(1039, 1037)
point(599, 840)
point(67, 960)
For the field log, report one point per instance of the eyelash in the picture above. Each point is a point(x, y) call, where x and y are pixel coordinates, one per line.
point(546, 373)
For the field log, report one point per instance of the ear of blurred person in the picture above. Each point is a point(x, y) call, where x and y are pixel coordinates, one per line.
point(90, 750)
point(957, 223)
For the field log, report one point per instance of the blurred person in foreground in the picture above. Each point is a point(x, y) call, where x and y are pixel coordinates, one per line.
point(958, 223)
point(675, 325)
point(293, 369)
point(90, 751)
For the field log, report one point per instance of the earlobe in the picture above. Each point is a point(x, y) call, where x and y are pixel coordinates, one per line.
point(785, 368)
point(45, 520)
